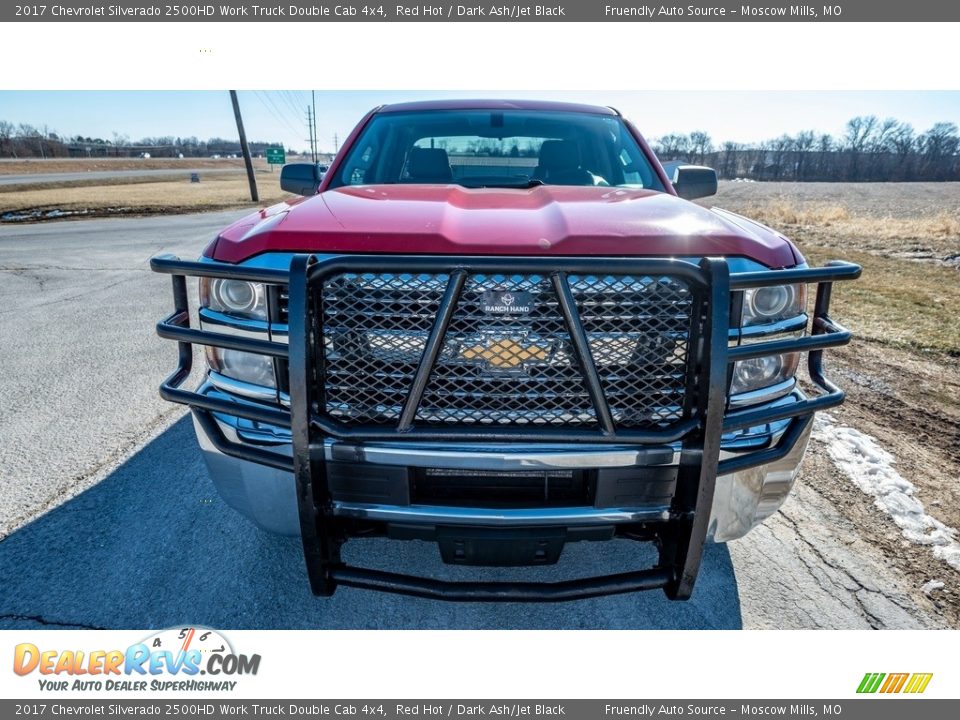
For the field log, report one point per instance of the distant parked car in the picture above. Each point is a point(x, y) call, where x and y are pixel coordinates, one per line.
point(145, 156)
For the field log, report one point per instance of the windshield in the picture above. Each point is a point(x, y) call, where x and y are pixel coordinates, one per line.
point(501, 148)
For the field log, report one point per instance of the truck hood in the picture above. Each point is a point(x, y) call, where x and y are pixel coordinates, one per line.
point(544, 220)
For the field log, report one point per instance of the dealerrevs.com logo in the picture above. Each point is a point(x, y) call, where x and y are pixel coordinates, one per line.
point(172, 659)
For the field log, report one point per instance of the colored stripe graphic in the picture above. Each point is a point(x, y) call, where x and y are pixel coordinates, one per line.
point(918, 682)
point(870, 682)
point(894, 683)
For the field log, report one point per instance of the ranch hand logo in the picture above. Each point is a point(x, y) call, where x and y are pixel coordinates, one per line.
point(504, 302)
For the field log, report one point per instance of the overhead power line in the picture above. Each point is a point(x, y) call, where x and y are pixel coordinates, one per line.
point(291, 101)
point(277, 114)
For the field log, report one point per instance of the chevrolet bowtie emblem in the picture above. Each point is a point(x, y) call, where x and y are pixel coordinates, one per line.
point(505, 353)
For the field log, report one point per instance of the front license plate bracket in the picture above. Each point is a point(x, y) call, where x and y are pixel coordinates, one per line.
point(501, 548)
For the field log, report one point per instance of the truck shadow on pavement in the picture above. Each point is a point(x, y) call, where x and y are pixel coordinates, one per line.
point(153, 546)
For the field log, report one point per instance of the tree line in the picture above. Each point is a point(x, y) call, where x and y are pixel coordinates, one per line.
point(869, 150)
point(29, 141)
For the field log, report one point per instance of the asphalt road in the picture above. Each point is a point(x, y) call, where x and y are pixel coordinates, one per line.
point(107, 518)
point(93, 175)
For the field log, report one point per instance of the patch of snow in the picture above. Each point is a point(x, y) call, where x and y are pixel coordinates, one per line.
point(932, 586)
point(38, 214)
point(870, 467)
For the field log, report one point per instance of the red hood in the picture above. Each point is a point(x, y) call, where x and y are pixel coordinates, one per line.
point(544, 220)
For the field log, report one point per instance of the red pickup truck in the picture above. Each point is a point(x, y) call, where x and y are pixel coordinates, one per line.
point(502, 326)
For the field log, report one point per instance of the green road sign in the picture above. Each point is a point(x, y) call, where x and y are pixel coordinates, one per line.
point(276, 156)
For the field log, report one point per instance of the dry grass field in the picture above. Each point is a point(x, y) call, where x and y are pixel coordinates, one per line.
point(136, 196)
point(64, 165)
point(902, 372)
point(906, 235)
point(223, 185)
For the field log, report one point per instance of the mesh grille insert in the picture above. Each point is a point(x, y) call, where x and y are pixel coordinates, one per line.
point(506, 359)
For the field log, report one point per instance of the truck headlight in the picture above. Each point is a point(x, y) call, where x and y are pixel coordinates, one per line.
point(242, 366)
point(774, 303)
point(234, 297)
point(769, 306)
point(757, 373)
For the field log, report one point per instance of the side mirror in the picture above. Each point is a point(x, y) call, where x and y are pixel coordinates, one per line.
point(692, 181)
point(300, 178)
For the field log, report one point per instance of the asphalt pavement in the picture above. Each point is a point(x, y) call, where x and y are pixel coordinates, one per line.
point(107, 517)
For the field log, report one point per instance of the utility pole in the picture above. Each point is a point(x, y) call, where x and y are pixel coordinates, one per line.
point(313, 137)
point(316, 140)
point(244, 148)
point(336, 144)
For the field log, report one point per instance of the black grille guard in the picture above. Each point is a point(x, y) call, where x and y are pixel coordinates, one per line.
point(715, 293)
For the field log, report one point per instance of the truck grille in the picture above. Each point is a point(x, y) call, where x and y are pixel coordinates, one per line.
point(506, 359)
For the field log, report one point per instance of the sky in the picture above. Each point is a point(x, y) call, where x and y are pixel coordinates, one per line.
point(280, 115)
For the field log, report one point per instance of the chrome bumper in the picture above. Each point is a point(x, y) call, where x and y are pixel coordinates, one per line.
point(267, 496)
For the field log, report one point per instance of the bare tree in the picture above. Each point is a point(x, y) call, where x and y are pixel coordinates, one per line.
point(824, 148)
point(700, 145)
point(901, 142)
point(779, 149)
point(857, 138)
point(729, 167)
point(7, 130)
point(940, 146)
point(30, 137)
point(803, 143)
point(673, 146)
